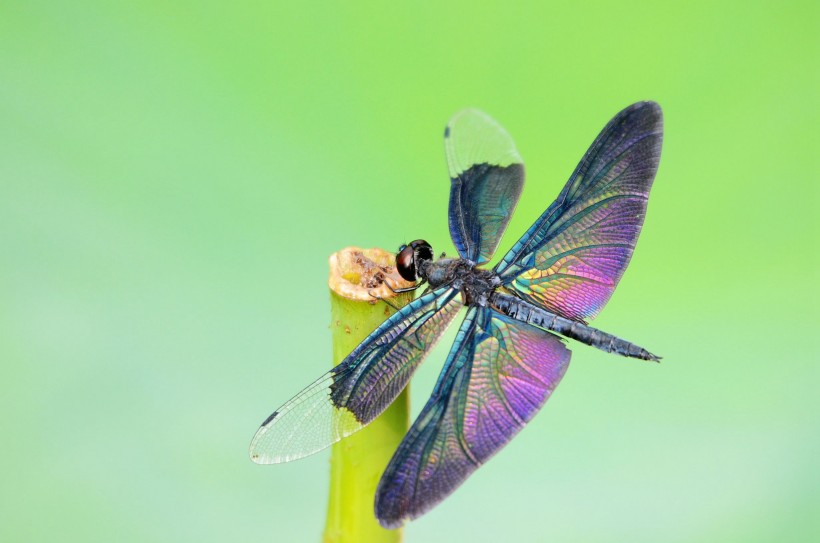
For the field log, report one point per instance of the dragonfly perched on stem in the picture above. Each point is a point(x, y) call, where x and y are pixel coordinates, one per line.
point(509, 353)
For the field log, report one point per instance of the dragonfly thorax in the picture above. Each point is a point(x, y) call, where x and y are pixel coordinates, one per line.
point(475, 284)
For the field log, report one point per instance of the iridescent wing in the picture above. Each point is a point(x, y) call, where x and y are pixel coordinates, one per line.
point(497, 376)
point(572, 258)
point(355, 392)
point(487, 175)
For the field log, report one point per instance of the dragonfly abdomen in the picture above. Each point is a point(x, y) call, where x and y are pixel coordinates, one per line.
point(531, 314)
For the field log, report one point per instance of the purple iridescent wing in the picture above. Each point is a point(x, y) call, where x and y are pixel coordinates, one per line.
point(572, 258)
point(486, 175)
point(497, 376)
point(355, 392)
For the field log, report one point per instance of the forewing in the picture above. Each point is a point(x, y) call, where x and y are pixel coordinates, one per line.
point(498, 375)
point(487, 175)
point(355, 392)
point(572, 258)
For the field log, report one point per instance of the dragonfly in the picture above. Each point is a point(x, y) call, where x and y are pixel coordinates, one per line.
point(510, 351)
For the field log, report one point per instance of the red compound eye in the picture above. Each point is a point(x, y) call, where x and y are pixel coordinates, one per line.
point(405, 263)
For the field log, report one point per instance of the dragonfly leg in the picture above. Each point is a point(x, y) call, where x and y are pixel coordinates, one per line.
point(400, 290)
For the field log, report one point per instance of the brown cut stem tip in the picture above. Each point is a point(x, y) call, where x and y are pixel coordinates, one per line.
point(364, 274)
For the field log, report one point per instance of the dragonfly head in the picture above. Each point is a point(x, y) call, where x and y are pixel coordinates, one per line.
point(410, 257)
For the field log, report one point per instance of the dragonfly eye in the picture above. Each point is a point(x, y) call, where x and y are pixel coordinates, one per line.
point(405, 263)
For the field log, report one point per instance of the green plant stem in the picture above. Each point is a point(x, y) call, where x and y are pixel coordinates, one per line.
point(358, 461)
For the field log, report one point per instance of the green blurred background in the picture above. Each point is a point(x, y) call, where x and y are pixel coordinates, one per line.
point(173, 178)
